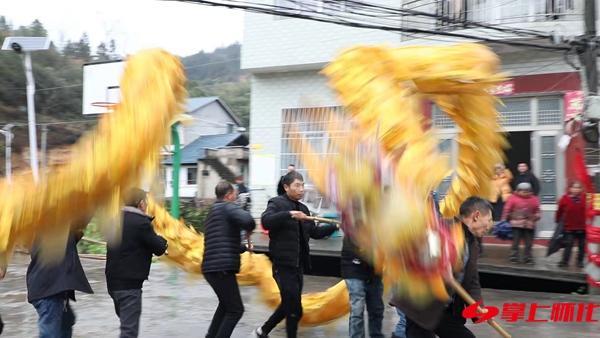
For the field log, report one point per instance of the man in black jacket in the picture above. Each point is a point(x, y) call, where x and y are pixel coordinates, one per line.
point(221, 260)
point(289, 230)
point(128, 262)
point(525, 175)
point(51, 285)
point(280, 189)
point(364, 287)
point(445, 319)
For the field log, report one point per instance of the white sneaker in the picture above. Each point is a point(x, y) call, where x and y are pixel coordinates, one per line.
point(259, 334)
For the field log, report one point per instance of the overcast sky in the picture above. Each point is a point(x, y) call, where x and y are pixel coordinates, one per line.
point(181, 28)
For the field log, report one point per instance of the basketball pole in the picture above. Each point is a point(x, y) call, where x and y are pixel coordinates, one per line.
point(33, 158)
point(176, 168)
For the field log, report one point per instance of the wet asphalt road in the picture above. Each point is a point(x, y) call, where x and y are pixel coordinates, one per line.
point(176, 304)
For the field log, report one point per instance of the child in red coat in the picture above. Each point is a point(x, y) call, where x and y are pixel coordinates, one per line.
point(571, 211)
point(522, 210)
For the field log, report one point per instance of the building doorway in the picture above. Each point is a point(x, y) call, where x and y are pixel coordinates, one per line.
point(519, 149)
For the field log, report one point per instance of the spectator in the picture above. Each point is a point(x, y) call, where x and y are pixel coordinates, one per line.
point(522, 210)
point(524, 175)
point(501, 190)
point(571, 211)
point(243, 193)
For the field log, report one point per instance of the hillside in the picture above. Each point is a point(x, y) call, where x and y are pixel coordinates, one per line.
point(218, 74)
point(58, 75)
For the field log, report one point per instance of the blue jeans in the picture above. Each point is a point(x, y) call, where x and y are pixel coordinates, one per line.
point(400, 329)
point(56, 319)
point(369, 293)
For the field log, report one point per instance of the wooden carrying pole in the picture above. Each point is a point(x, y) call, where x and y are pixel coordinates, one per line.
point(469, 300)
point(324, 220)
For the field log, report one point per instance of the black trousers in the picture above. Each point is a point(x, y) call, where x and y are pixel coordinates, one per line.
point(230, 309)
point(570, 237)
point(128, 307)
point(497, 209)
point(527, 236)
point(449, 327)
point(290, 283)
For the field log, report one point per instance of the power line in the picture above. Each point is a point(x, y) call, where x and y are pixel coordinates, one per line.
point(291, 12)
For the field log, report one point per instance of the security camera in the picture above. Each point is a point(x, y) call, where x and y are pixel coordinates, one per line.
point(16, 47)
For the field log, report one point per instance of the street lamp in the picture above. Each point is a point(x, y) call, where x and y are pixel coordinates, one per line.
point(25, 45)
point(8, 135)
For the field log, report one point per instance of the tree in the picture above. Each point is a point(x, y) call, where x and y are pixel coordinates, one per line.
point(37, 29)
point(83, 48)
point(102, 52)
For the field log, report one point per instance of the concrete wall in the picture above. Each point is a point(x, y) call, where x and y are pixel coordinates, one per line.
point(272, 42)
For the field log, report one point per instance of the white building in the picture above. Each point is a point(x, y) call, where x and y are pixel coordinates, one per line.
point(285, 55)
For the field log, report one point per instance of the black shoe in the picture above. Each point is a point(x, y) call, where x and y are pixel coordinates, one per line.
point(580, 265)
point(529, 261)
point(514, 260)
point(563, 265)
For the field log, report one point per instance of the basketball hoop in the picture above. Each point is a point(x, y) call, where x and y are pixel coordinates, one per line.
point(109, 106)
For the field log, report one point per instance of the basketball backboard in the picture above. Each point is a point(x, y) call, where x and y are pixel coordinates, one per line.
point(101, 86)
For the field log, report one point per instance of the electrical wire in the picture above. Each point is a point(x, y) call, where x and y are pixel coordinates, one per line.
point(294, 13)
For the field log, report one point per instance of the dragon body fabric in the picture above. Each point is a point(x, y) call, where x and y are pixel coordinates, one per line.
point(382, 89)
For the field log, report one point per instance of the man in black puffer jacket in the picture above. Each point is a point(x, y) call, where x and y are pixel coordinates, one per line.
point(128, 262)
point(221, 259)
point(364, 288)
point(289, 231)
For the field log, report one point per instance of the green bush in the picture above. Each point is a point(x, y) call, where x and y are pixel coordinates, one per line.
point(91, 231)
point(191, 214)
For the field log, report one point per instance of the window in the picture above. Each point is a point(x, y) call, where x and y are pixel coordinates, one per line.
point(192, 174)
point(452, 10)
point(309, 123)
point(205, 173)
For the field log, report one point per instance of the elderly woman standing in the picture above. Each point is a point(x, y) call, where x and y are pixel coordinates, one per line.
point(522, 210)
point(501, 189)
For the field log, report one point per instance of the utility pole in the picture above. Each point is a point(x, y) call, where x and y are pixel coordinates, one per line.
point(589, 53)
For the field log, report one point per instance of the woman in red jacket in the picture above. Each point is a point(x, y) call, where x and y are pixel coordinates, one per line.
point(571, 211)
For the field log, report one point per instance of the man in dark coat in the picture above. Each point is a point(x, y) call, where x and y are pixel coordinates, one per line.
point(445, 319)
point(280, 189)
point(365, 288)
point(524, 175)
point(290, 228)
point(128, 262)
point(51, 285)
point(221, 260)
